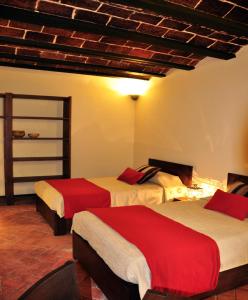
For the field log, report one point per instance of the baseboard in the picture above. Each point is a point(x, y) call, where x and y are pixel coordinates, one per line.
point(19, 199)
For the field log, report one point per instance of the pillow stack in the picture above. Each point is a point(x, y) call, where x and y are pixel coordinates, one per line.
point(239, 188)
point(166, 180)
point(148, 172)
point(130, 176)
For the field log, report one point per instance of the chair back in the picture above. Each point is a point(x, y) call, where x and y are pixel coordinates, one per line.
point(60, 284)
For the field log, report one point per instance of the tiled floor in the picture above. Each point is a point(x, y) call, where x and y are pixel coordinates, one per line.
point(28, 250)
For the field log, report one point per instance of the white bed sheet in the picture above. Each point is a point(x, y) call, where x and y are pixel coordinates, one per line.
point(121, 193)
point(126, 260)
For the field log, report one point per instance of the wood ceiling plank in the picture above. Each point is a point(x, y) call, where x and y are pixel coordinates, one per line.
point(93, 53)
point(74, 64)
point(125, 74)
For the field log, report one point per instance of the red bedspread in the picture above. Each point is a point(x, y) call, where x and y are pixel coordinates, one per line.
point(181, 260)
point(80, 194)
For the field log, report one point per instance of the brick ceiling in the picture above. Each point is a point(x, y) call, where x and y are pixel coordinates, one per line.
point(127, 41)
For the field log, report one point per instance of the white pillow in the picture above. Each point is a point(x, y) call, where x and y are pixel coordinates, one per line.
point(166, 180)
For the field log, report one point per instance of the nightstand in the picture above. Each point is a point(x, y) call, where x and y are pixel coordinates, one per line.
point(185, 199)
point(194, 192)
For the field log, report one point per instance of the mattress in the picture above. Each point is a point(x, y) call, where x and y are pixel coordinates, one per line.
point(121, 193)
point(126, 260)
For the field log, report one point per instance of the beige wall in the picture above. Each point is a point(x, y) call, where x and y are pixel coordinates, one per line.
point(198, 117)
point(102, 124)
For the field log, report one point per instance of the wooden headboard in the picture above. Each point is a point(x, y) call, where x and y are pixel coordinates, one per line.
point(183, 171)
point(231, 178)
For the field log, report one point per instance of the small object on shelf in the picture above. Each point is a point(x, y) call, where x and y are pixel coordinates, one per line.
point(18, 133)
point(33, 135)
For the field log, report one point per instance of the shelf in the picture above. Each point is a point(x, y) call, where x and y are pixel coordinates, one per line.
point(42, 138)
point(40, 97)
point(60, 139)
point(38, 118)
point(44, 158)
point(36, 178)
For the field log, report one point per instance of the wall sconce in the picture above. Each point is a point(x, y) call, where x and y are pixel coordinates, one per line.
point(134, 97)
point(130, 87)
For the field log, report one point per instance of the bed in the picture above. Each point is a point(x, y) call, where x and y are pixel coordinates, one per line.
point(234, 273)
point(50, 204)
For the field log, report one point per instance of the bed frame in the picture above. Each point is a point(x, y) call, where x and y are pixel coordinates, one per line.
point(115, 288)
point(232, 178)
point(185, 172)
point(61, 226)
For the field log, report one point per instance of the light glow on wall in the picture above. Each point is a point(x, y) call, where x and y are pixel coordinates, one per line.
point(208, 186)
point(127, 86)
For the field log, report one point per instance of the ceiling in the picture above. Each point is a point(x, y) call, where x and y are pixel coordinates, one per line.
point(121, 38)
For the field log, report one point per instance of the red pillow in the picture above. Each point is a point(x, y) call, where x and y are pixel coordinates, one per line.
point(230, 204)
point(130, 176)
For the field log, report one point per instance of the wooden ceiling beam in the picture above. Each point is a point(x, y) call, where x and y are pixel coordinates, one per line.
point(22, 65)
point(33, 17)
point(75, 64)
point(94, 53)
point(191, 16)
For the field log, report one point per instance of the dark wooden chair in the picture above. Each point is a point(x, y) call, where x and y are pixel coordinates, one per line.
point(154, 295)
point(60, 284)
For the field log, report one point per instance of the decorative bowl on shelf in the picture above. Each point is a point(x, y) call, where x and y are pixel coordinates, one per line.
point(33, 135)
point(18, 133)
